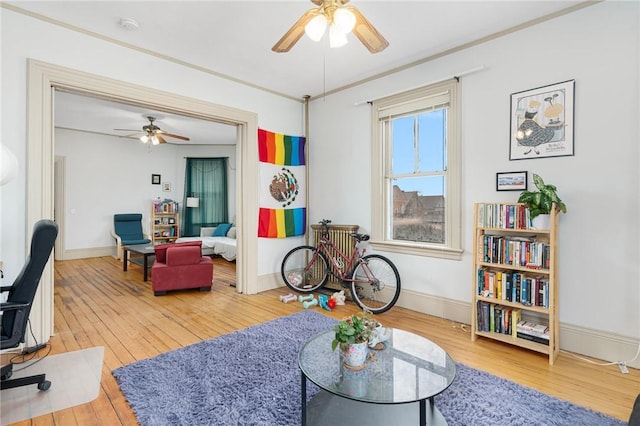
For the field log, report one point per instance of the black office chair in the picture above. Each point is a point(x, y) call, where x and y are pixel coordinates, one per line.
point(634, 418)
point(15, 311)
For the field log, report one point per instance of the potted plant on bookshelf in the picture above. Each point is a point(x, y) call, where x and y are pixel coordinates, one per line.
point(352, 334)
point(540, 202)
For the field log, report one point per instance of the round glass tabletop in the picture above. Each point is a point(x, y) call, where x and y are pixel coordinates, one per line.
point(410, 368)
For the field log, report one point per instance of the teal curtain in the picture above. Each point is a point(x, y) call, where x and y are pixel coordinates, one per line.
point(205, 179)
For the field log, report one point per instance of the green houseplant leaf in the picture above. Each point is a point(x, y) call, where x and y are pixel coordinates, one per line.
point(353, 329)
point(542, 200)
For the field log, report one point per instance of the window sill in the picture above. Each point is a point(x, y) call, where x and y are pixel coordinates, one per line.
point(418, 250)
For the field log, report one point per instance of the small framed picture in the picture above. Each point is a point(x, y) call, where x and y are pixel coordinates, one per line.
point(166, 187)
point(172, 221)
point(511, 181)
point(155, 179)
point(156, 221)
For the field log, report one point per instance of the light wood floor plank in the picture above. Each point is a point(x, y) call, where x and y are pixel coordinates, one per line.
point(98, 304)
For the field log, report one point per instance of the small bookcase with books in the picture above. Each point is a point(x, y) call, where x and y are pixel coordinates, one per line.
point(165, 221)
point(515, 285)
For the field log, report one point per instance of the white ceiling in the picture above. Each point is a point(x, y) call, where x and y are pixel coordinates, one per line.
point(234, 39)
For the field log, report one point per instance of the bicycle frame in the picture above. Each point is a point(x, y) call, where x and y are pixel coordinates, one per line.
point(326, 245)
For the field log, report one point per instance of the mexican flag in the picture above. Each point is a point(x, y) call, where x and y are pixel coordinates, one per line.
point(282, 185)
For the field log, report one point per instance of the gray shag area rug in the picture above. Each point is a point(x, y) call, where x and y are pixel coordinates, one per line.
point(251, 377)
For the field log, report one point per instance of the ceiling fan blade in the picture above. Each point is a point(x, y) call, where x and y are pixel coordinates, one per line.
point(160, 138)
point(135, 135)
point(367, 34)
point(184, 138)
point(294, 34)
point(127, 130)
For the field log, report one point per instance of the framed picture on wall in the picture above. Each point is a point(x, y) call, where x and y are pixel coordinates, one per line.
point(166, 187)
point(511, 181)
point(155, 179)
point(542, 122)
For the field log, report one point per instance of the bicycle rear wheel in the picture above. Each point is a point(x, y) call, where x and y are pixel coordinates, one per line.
point(376, 284)
point(304, 269)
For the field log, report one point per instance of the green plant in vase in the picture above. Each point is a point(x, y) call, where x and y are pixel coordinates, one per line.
point(541, 201)
point(356, 328)
point(352, 334)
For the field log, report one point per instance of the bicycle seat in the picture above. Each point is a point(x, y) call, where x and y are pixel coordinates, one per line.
point(360, 237)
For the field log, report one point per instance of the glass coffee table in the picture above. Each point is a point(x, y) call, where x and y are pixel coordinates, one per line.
point(392, 388)
point(146, 250)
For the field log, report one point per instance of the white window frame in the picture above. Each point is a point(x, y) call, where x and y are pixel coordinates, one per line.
point(402, 103)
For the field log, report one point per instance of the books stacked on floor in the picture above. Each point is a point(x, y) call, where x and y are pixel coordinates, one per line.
point(528, 330)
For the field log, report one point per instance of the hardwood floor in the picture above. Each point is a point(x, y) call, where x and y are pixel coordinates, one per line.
point(97, 304)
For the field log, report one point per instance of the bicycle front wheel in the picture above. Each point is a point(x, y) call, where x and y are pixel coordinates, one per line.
point(376, 284)
point(305, 269)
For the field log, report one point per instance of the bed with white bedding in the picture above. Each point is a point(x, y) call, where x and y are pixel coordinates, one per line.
point(224, 246)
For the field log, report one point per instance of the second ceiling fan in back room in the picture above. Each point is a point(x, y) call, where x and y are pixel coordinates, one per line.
point(340, 19)
point(152, 133)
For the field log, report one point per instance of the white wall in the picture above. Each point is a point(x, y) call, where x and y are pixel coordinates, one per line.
point(106, 175)
point(598, 243)
point(597, 46)
point(23, 38)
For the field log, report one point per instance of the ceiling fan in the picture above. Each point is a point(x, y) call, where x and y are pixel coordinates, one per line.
point(152, 133)
point(341, 20)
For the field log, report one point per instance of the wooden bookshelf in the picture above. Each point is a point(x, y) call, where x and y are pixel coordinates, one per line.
point(515, 277)
point(165, 221)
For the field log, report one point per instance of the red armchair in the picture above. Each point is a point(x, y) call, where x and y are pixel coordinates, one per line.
point(180, 266)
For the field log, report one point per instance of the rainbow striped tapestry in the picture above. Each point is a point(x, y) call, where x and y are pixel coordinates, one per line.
point(282, 185)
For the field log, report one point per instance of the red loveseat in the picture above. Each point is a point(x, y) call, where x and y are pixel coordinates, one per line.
point(180, 266)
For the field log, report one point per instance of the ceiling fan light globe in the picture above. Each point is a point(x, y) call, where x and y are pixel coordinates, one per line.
point(155, 140)
point(336, 37)
point(316, 27)
point(144, 138)
point(344, 19)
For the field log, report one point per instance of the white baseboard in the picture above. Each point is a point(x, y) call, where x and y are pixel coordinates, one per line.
point(598, 344)
point(88, 252)
point(269, 282)
point(579, 340)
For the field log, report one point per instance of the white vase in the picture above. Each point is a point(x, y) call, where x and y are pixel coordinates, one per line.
point(354, 355)
point(542, 221)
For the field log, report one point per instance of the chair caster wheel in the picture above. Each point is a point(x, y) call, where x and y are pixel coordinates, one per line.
point(44, 385)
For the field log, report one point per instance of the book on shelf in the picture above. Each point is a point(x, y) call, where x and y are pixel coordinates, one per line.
point(532, 329)
point(497, 318)
point(532, 338)
point(513, 286)
point(503, 216)
point(516, 317)
point(165, 206)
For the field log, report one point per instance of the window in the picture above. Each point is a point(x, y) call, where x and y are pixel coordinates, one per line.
point(416, 172)
point(205, 181)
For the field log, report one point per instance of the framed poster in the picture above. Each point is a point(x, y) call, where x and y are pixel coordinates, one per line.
point(511, 181)
point(155, 179)
point(542, 122)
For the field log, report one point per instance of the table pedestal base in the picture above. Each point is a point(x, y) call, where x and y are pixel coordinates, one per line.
point(331, 410)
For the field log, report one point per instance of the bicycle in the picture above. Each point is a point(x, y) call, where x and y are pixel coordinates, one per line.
point(373, 279)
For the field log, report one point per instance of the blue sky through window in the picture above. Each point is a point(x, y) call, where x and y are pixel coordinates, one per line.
point(429, 155)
